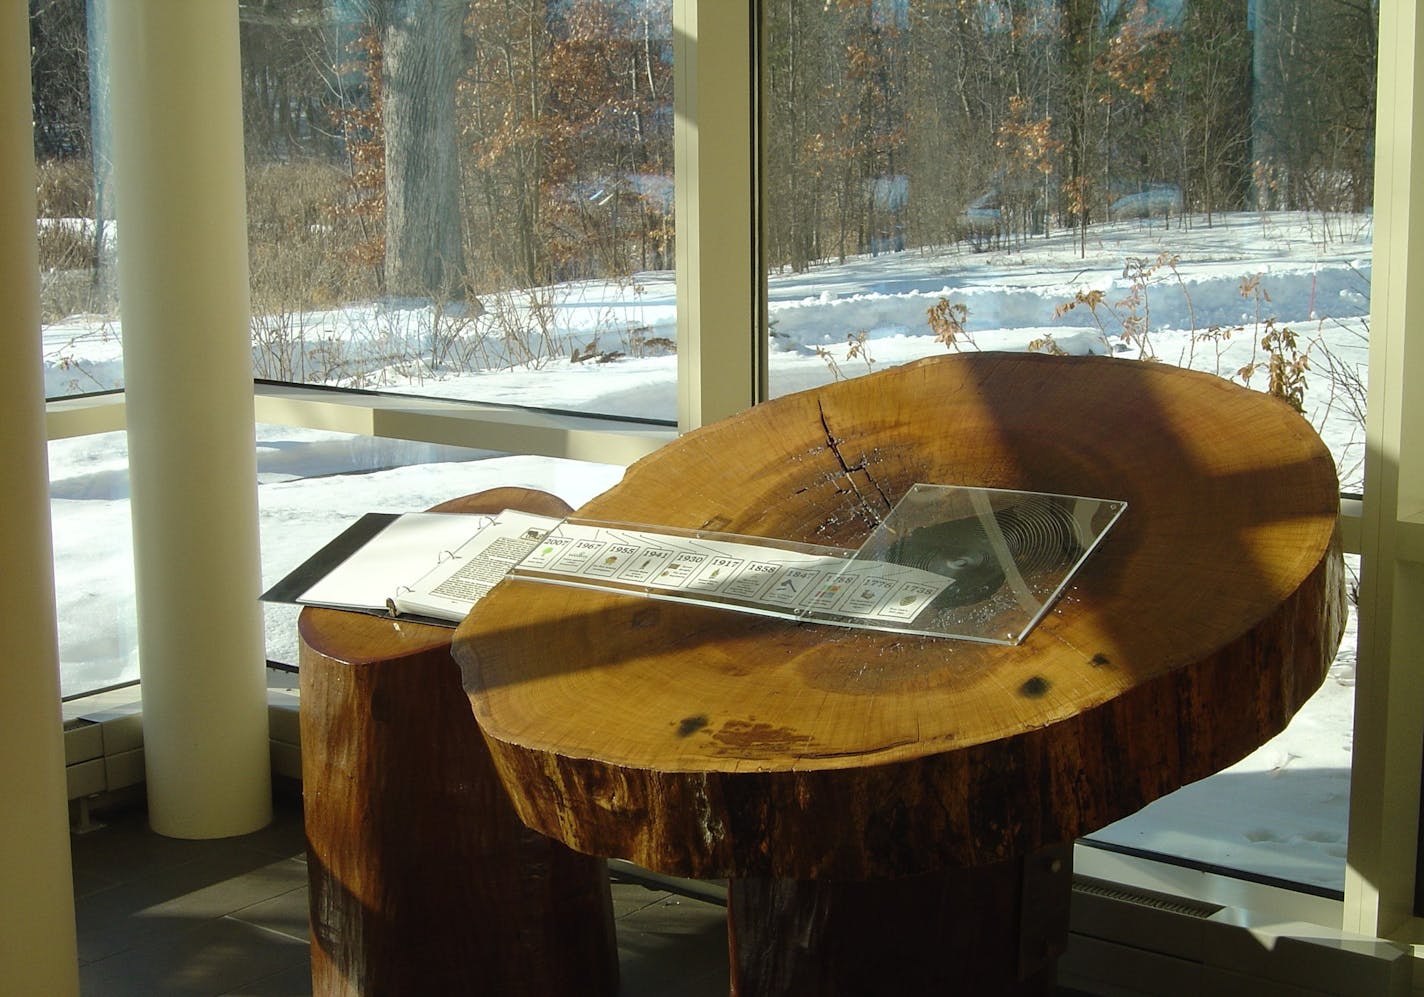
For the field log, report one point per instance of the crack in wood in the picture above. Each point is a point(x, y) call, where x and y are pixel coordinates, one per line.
point(888, 746)
point(868, 511)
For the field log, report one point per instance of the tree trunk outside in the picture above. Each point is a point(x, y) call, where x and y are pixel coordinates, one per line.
point(422, 63)
point(105, 260)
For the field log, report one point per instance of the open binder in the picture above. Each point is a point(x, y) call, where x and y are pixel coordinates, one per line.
point(428, 567)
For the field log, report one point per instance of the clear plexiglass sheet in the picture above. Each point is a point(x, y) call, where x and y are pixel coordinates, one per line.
point(1008, 554)
point(949, 561)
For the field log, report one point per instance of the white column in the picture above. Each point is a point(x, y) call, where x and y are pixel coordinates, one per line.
point(37, 943)
point(721, 367)
point(1389, 690)
point(182, 231)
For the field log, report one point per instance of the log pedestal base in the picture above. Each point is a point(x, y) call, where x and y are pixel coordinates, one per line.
point(996, 929)
point(423, 881)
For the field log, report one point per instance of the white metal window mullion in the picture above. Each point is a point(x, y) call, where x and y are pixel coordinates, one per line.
point(1389, 718)
point(719, 279)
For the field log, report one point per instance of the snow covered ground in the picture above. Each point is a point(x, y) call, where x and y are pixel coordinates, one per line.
point(1199, 296)
point(1311, 275)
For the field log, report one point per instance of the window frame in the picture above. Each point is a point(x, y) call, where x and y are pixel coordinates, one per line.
point(1389, 722)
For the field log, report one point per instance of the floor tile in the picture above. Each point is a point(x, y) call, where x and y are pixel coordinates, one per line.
point(287, 914)
point(674, 946)
point(293, 982)
point(125, 849)
point(90, 881)
point(180, 897)
point(216, 957)
point(230, 919)
point(162, 916)
point(631, 897)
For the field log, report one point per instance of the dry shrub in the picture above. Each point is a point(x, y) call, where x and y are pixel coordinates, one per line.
point(300, 247)
point(65, 188)
point(64, 247)
point(65, 234)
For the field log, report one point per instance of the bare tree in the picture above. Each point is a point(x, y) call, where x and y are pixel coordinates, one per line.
point(1211, 82)
point(421, 43)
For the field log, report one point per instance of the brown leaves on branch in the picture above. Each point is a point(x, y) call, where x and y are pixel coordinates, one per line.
point(359, 122)
point(1029, 143)
point(947, 321)
point(1140, 54)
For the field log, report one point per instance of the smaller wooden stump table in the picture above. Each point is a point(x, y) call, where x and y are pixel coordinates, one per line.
point(895, 813)
point(423, 880)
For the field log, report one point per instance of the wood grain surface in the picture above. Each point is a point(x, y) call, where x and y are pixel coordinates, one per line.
point(709, 743)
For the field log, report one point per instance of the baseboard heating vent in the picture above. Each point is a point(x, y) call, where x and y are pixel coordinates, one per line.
point(103, 741)
point(103, 748)
point(1157, 901)
point(1128, 940)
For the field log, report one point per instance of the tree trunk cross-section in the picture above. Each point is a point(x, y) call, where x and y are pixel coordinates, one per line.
point(423, 880)
point(708, 743)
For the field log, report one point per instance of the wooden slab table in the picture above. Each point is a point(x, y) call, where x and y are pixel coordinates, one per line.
point(423, 880)
point(895, 813)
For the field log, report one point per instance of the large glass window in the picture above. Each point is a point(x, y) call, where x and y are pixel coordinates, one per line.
point(1164, 181)
point(471, 200)
point(76, 230)
point(1281, 813)
point(311, 485)
point(1185, 183)
point(93, 562)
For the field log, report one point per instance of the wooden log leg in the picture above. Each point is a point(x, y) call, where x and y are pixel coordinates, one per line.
point(423, 880)
point(992, 930)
